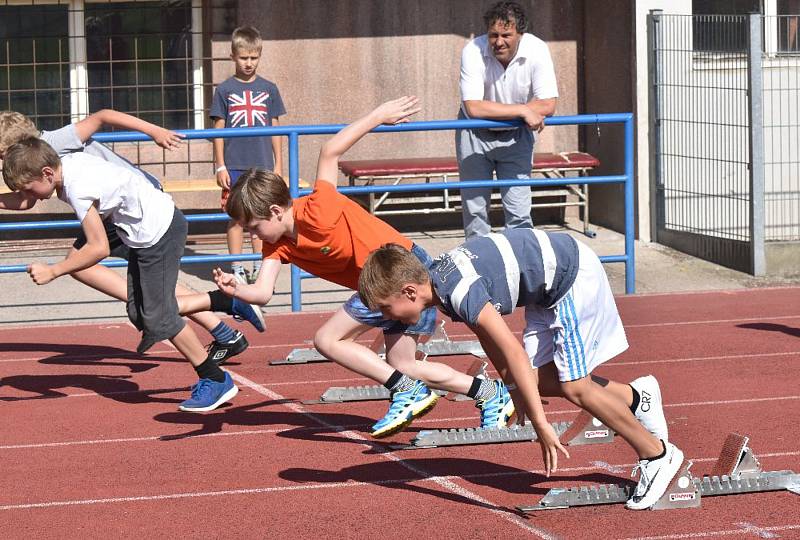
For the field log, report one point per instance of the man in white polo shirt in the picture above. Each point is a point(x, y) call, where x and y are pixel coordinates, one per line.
point(506, 74)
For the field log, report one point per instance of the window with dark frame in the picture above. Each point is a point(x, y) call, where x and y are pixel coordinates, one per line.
point(139, 61)
point(34, 63)
point(139, 57)
point(717, 25)
point(788, 14)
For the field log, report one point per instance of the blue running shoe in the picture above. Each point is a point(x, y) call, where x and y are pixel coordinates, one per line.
point(207, 395)
point(242, 311)
point(405, 407)
point(497, 410)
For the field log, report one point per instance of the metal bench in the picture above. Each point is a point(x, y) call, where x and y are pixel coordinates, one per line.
point(443, 169)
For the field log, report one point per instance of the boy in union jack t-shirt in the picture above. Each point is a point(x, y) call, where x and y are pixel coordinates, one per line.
point(245, 100)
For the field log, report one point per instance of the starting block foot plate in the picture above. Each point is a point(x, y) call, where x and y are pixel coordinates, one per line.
point(439, 344)
point(583, 430)
point(685, 491)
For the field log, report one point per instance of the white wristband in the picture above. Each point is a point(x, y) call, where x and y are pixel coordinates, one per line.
point(221, 168)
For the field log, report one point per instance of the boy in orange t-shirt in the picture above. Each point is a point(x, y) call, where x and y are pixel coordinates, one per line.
point(330, 236)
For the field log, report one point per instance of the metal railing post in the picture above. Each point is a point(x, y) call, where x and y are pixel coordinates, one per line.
point(294, 190)
point(630, 272)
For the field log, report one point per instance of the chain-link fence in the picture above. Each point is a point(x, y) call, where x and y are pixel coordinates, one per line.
point(725, 95)
point(61, 60)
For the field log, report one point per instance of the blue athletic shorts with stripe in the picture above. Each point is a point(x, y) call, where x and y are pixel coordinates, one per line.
point(582, 330)
point(426, 325)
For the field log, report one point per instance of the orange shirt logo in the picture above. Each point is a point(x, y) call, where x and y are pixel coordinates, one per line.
point(325, 250)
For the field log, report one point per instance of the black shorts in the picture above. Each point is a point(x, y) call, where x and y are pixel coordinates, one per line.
point(115, 244)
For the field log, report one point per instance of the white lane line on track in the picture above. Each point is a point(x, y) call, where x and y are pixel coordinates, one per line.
point(66, 359)
point(714, 321)
point(612, 363)
point(351, 484)
point(557, 412)
point(755, 529)
point(392, 456)
point(454, 336)
point(710, 534)
point(357, 379)
point(730, 401)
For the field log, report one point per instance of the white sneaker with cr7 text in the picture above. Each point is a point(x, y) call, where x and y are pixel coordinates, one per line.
point(650, 412)
point(655, 476)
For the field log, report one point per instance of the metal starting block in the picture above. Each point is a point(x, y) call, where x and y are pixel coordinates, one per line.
point(340, 394)
point(736, 471)
point(583, 430)
point(439, 344)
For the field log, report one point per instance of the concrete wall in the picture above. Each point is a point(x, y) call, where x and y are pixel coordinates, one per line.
point(333, 61)
point(608, 80)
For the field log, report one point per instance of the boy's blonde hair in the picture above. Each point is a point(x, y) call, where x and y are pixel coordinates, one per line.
point(24, 161)
point(254, 192)
point(245, 38)
point(385, 272)
point(14, 127)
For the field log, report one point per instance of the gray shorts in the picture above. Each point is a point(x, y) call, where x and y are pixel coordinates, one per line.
point(152, 277)
point(115, 244)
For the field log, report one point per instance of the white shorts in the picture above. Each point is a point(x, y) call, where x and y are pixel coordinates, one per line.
point(582, 330)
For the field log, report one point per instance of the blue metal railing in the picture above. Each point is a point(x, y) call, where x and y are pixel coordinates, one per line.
point(294, 132)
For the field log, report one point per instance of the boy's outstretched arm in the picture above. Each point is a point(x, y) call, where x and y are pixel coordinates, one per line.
point(95, 250)
point(511, 361)
point(391, 112)
point(90, 125)
point(258, 293)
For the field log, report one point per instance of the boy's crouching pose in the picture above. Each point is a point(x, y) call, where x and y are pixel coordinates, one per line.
point(572, 326)
point(147, 221)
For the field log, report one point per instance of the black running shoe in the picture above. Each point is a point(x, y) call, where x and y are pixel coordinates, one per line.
point(220, 352)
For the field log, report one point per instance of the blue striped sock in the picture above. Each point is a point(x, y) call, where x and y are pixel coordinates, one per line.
point(223, 333)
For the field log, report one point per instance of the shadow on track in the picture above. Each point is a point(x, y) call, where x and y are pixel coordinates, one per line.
point(401, 475)
point(772, 327)
point(308, 425)
point(116, 387)
point(90, 355)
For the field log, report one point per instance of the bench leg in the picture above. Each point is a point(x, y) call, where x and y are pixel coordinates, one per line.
point(588, 232)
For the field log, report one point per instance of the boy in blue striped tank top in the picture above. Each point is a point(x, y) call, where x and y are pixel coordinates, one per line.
point(572, 326)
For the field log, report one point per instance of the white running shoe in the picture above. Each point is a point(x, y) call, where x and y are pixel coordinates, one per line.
point(655, 476)
point(240, 274)
point(650, 412)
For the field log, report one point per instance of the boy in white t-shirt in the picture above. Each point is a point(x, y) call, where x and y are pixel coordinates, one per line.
point(147, 222)
point(77, 137)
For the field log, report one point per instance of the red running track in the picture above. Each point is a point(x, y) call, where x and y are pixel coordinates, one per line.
point(92, 443)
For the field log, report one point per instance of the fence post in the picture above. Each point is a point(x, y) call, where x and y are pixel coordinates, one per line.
point(657, 207)
point(755, 103)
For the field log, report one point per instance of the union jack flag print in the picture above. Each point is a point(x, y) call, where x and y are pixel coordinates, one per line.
point(247, 109)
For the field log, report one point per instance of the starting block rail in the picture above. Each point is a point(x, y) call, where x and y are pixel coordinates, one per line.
point(341, 394)
point(583, 430)
point(439, 344)
point(741, 473)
